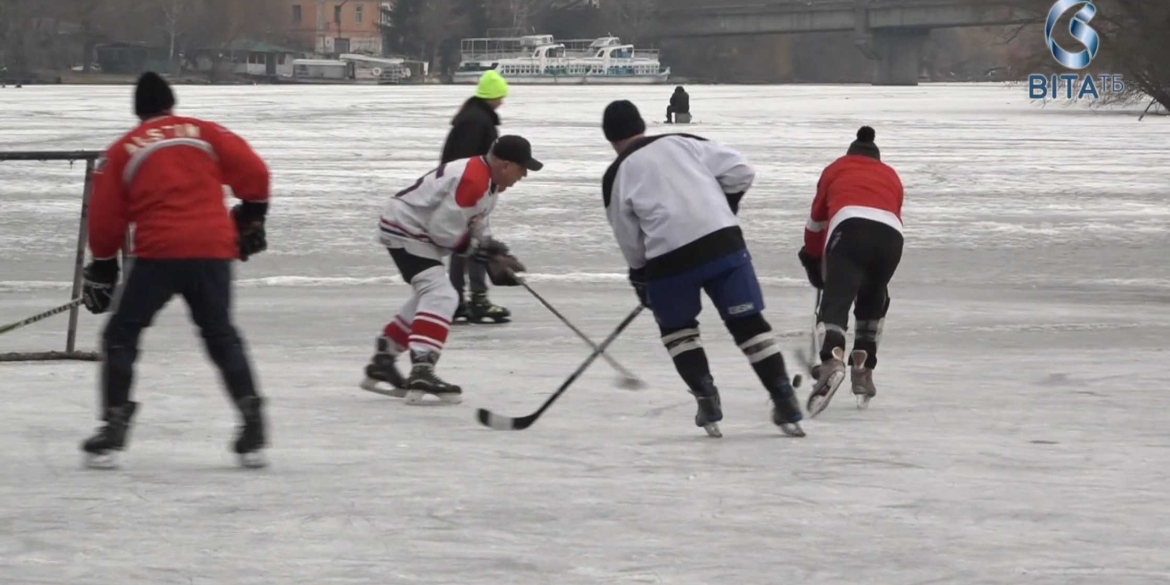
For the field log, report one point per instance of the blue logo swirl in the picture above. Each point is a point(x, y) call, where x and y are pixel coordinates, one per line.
point(1080, 29)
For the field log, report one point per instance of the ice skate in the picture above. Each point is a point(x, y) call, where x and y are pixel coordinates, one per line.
point(862, 379)
point(481, 310)
point(382, 376)
point(786, 410)
point(423, 381)
point(460, 311)
point(829, 378)
point(710, 408)
point(251, 440)
point(101, 449)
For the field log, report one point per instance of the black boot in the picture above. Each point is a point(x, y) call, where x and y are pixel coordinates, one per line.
point(382, 376)
point(101, 448)
point(786, 412)
point(252, 438)
point(461, 312)
point(710, 407)
point(423, 381)
point(480, 309)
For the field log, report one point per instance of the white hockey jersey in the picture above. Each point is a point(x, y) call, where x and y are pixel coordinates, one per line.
point(670, 198)
point(441, 212)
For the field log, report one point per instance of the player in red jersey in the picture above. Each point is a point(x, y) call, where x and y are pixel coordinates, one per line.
point(859, 208)
point(166, 176)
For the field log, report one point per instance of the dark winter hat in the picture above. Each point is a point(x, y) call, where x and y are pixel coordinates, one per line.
point(622, 121)
point(864, 144)
point(153, 96)
point(517, 150)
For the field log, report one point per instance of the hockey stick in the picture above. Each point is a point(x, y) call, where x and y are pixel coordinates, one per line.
point(629, 381)
point(41, 316)
point(813, 358)
point(506, 423)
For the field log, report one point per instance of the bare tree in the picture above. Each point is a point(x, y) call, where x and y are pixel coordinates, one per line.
point(629, 18)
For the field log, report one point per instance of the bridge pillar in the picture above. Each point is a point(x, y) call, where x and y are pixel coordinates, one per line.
point(897, 55)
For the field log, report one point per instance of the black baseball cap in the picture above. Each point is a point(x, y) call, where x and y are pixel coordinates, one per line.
point(517, 150)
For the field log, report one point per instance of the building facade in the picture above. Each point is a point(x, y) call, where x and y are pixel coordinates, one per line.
point(335, 27)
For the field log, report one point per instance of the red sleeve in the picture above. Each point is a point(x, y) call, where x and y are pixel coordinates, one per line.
point(476, 180)
point(818, 220)
point(108, 215)
point(243, 170)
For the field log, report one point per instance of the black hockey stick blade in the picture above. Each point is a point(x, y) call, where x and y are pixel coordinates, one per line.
point(506, 423)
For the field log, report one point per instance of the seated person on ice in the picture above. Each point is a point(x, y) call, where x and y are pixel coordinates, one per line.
point(679, 110)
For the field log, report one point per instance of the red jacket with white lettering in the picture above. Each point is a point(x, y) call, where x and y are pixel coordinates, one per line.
point(166, 177)
point(853, 186)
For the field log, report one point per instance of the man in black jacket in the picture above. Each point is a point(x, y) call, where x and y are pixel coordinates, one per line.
point(680, 103)
point(473, 131)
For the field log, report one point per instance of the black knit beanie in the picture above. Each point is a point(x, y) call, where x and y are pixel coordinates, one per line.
point(864, 145)
point(153, 96)
point(622, 121)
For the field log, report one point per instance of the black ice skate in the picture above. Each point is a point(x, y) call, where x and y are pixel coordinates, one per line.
point(100, 449)
point(423, 381)
point(251, 439)
point(481, 310)
point(829, 378)
point(382, 376)
point(786, 409)
point(710, 407)
point(862, 379)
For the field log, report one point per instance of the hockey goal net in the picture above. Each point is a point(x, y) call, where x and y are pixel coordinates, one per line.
point(72, 304)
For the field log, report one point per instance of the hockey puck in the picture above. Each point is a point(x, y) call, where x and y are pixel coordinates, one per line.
point(796, 380)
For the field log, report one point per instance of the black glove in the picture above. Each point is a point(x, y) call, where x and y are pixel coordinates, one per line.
point(502, 270)
point(249, 218)
point(813, 267)
point(98, 282)
point(638, 280)
point(486, 249)
point(733, 201)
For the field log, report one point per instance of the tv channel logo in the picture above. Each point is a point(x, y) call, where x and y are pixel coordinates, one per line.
point(1041, 87)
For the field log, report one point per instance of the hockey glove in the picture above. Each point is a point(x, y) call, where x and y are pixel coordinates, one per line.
point(638, 280)
point(813, 267)
point(97, 286)
point(249, 218)
point(484, 250)
point(502, 270)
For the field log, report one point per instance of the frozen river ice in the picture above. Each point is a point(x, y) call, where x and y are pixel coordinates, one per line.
point(1019, 434)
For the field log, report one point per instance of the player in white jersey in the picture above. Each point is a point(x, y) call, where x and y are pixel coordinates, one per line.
point(444, 212)
point(672, 201)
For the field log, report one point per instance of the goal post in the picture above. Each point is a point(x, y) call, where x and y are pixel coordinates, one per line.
point(71, 352)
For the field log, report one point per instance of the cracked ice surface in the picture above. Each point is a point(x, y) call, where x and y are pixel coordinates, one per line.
point(1019, 433)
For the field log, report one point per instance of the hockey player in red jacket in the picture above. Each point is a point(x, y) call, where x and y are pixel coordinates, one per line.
point(852, 246)
point(166, 176)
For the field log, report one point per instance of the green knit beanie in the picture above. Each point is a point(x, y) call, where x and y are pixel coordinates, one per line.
point(491, 86)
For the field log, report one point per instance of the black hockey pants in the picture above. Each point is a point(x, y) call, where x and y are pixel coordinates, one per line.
point(861, 258)
point(206, 286)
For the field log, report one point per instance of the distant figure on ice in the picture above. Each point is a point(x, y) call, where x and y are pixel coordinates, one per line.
point(852, 246)
point(672, 202)
point(679, 110)
point(473, 130)
point(166, 177)
point(444, 212)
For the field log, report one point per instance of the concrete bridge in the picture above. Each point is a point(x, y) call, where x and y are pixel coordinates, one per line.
point(890, 32)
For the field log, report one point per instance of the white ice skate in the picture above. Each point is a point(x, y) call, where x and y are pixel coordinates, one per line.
point(829, 378)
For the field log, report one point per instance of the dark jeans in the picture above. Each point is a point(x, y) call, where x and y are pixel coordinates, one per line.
point(861, 259)
point(206, 286)
point(476, 270)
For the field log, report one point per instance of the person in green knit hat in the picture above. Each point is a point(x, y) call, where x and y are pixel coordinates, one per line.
point(473, 131)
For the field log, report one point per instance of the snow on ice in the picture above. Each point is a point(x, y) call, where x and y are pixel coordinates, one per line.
point(1018, 436)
